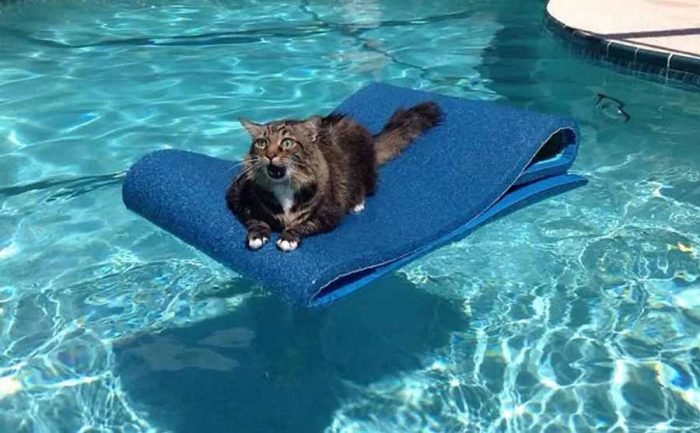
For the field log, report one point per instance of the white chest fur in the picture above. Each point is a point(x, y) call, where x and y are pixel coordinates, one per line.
point(285, 196)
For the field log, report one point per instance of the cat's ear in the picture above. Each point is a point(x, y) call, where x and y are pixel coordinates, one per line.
point(254, 129)
point(315, 124)
point(315, 121)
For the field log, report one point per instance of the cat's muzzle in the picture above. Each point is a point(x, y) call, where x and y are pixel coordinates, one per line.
point(276, 171)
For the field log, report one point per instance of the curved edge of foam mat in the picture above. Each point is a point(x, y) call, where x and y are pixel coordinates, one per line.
point(516, 199)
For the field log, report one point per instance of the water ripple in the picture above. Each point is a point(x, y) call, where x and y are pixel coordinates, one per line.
point(65, 188)
point(583, 310)
point(316, 28)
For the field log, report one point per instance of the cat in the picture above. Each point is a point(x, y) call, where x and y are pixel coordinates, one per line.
point(301, 177)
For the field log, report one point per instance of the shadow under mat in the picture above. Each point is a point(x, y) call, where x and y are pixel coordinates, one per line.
point(271, 368)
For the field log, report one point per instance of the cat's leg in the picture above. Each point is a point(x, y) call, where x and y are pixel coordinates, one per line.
point(289, 240)
point(370, 186)
point(291, 236)
point(358, 200)
point(258, 234)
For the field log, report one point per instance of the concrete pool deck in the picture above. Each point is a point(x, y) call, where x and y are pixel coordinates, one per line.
point(660, 33)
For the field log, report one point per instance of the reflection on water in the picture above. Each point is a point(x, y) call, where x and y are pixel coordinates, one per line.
point(577, 314)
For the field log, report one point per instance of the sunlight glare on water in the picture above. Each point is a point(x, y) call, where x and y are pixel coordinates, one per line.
point(578, 314)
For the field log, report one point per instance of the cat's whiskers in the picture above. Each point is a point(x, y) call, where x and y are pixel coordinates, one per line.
point(302, 172)
point(247, 170)
point(299, 164)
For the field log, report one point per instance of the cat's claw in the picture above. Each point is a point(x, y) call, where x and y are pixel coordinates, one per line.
point(256, 243)
point(358, 208)
point(287, 245)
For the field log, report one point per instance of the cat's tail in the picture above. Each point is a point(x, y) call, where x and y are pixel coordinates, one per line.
point(403, 127)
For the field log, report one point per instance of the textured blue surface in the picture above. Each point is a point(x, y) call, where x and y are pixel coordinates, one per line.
point(444, 186)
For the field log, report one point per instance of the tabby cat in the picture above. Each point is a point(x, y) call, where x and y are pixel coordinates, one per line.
point(301, 177)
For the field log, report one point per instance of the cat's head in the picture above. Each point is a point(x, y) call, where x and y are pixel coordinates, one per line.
point(283, 151)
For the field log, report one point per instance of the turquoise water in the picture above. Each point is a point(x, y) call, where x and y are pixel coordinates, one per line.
point(577, 314)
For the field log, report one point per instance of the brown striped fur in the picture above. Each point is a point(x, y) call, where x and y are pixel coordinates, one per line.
point(330, 165)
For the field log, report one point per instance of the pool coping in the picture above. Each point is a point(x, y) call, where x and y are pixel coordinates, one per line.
point(674, 65)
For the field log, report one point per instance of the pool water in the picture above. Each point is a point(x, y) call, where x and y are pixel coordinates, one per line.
point(579, 314)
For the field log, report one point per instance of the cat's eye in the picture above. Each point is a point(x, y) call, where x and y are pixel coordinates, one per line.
point(288, 143)
point(260, 143)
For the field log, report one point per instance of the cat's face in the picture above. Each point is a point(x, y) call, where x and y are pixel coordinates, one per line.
point(283, 151)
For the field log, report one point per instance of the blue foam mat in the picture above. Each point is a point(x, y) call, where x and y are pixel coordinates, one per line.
point(479, 164)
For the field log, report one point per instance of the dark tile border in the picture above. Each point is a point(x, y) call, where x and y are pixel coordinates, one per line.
point(662, 66)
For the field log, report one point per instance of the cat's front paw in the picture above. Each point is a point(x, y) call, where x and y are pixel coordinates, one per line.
point(288, 241)
point(358, 208)
point(258, 235)
point(256, 239)
point(256, 242)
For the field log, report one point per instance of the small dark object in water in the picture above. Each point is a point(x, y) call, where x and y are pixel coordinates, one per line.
point(611, 107)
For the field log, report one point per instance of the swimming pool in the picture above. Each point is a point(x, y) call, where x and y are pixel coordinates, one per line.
point(580, 313)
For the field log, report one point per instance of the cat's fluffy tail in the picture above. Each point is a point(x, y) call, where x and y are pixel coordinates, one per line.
point(403, 127)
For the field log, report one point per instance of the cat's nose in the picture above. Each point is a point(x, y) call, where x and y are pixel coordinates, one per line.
point(272, 159)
